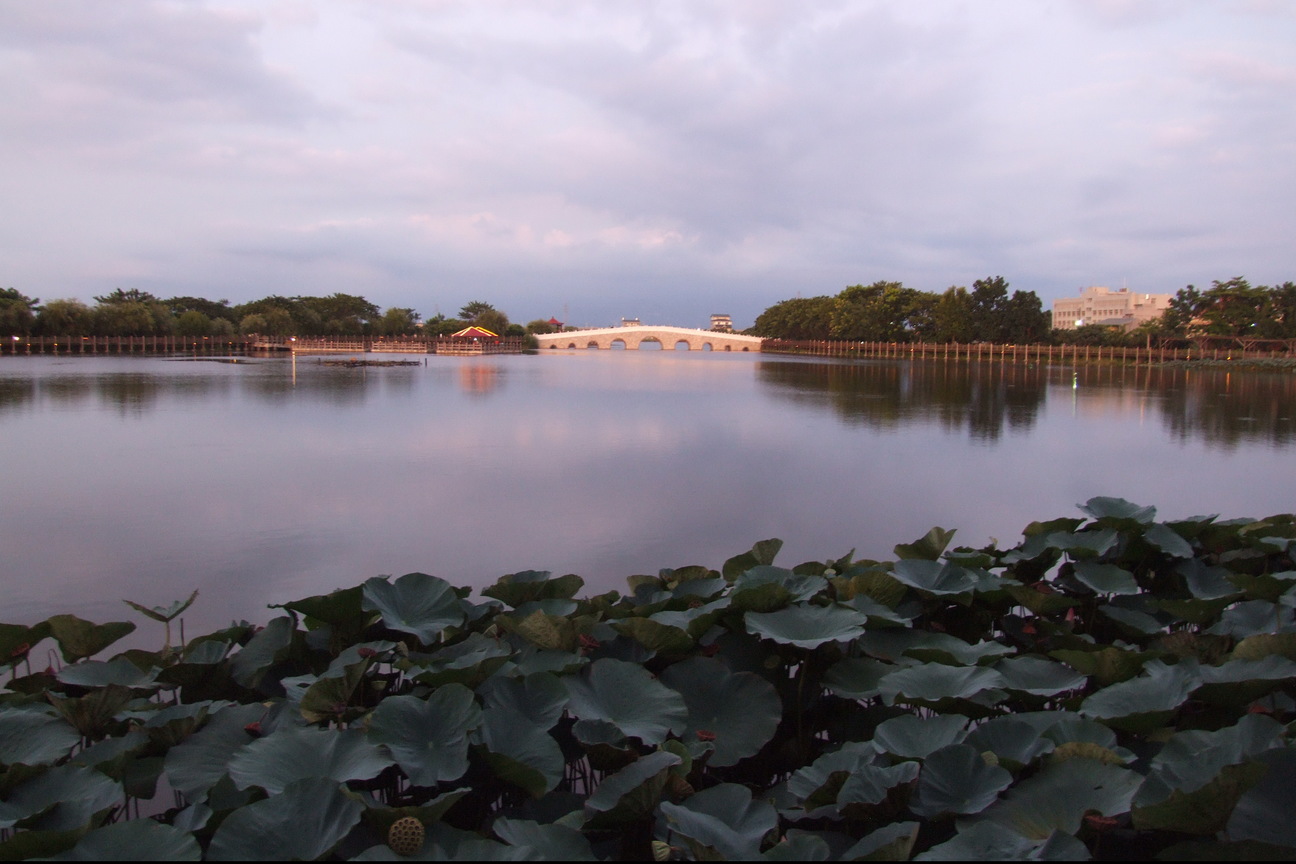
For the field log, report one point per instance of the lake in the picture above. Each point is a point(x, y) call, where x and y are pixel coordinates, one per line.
point(270, 479)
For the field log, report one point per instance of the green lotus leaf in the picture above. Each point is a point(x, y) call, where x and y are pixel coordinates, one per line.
point(93, 713)
point(1264, 812)
point(416, 603)
point(341, 609)
point(1145, 701)
point(467, 662)
point(134, 840)
point(879, 615)
point(1014, 742)
point(1109, 665)
point(1254, 617)
point(936, 577)
point(292, 753)
point(857, 677)
point(1263, 645)
point(1038, 676)
point(268, 647)
point(912, 737)
point(537, 842)
point(694, 621)
point(933, 682)
point(703, 587)
point(302, 823)
point(1088, 543)
point(17, 640)
point(627, 695)
point(892, 842)
point(547, 632)
point(64, 798)
point(197, 764)
point(799, 846)
point(1117, 512)
point(1206, 582)
point(1168, 541)
point(1138, 613)
point(521, 752)
point(1058, 797)
point(723, 821)
point(846, 776)
point(893, 644)
point(807, 626)
point(956, 780)
point(766, 588)
point(763, 552)
point(427, 738)
point(553, 606)
point(1242, 681)
point(1192, 758)
point(529, 660)
point(989, 841)
point(742, 710)
point(1203, 810)
point(532, 585)
point(630, 793)
point(928, 547)
point(79, 639)
point(34, 737)
point(659, 638)
point(1106, 578)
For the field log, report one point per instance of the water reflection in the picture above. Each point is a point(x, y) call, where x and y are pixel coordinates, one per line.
point(981, 398)
point(1225, 409)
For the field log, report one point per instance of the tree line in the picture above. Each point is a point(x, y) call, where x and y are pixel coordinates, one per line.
point(892, 312)
point(138, 313)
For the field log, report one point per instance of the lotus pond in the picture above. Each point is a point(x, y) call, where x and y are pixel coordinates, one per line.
point(1113, 686)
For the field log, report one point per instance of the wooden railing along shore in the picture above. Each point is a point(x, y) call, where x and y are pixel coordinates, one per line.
point(1022, 353)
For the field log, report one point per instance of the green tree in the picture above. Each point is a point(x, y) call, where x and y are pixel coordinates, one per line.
point(539, 326)
point(398, 321)
point(17, 312)
point(881, 312)
point(471, 310)
point(193, 323)
point(64, 318)
point(212, 309)
point(798, 318)
point(1024, 320)
point(989, 305)
point(952, 317)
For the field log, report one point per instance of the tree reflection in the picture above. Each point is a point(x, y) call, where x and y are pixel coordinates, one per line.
point(983, 398)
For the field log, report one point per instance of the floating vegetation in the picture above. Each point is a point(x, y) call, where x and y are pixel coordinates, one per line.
point(1112, 686)
point(354, 363)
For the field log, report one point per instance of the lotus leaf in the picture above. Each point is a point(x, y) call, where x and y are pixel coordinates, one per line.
point(416, 603)
point(656, 636)
point(1087, 543)
point(799, 846)
point(893, 842)
point(467, 662)
point(741, 710)
point(304, 822)
point(626, 695)
point(60, 799)
point(1117, 512)
point(266, 648)
point(1038, 676)
point(928, 547)
point(762, 552)
point(548, 632)
point(1147, 700)
point(1168, 541)
point(135, 840)
point(34, 737)
point(807, 626)
point(956, 780)
point(1206, 582)
point(1108, 665)
point(912, 737)
point(1058, 797)
point(427, 738)
point(989, 841)
point(857, 677)
point(1264, 812)
point(1105, 578)
point(544, 842)
point(294, 753)
point(630, 793)
point(1014, 742)
point(933, 682)
point(529, 585)
point(520, 751)
point(78, 639)
point(931, 647)
point(844, 777)
point(723, 819)
point(936, 577)
point(1254, 617)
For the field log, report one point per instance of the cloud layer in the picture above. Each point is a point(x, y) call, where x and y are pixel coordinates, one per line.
point(660, 160)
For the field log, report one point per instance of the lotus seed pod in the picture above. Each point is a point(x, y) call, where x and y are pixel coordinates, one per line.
point(405, 836)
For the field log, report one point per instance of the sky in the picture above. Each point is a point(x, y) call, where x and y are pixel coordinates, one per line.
point(631, 158)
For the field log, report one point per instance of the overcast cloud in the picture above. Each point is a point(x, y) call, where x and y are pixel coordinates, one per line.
point(664, 160)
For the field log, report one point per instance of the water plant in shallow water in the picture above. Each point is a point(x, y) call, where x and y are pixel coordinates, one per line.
point(1112, 686)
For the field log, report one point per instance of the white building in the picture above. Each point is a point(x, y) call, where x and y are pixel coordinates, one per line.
point(722, 323)
point(1100, 305)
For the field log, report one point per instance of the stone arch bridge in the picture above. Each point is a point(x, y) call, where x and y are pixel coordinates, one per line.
point(633, 337)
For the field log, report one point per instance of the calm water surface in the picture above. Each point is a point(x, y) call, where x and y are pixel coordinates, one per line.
point(267, 480)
